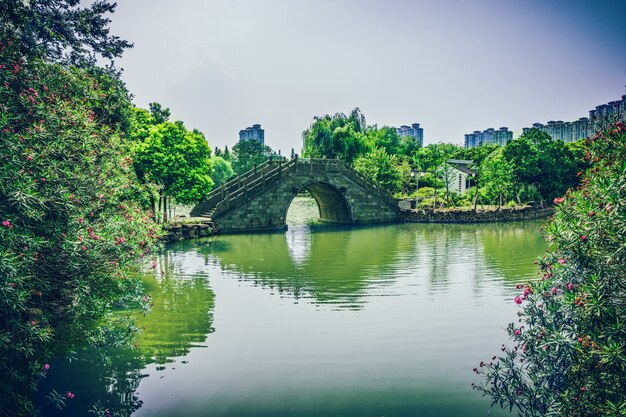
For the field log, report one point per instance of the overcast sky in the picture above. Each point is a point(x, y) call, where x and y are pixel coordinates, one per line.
point(452, 66)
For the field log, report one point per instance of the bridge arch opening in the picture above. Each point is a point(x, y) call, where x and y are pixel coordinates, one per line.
point(332, 206)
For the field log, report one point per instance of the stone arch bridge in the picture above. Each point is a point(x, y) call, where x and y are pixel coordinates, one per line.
point(259, 199)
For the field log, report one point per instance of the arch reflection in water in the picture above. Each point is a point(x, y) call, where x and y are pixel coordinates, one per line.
point(108, 378)
point(330, 266)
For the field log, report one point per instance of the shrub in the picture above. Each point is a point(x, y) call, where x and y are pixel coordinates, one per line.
point(71, 217)
point(568, 356)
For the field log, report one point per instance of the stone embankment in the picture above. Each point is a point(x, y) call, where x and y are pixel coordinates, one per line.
point(194, 227)
point(480, 216)
point(189, 228)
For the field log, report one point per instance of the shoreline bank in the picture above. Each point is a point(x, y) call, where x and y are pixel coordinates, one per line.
point(480, 216)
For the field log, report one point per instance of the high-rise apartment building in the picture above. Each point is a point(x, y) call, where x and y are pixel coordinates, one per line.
point(252, 133)
point(584, 127)
point(565, 131)
point(488, 137)
point(605, 113)
point(414, 131)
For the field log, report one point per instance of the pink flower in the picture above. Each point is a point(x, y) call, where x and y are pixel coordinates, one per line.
point(81, 220)
point(69, 394)
point(553, 290)
point(517, 299)
point(46, 367)
point(583, 389)
point(12, 284)
point(517, 332)
point(583, 238)
point(6, 223)
point(559, 200)
point(570, 286)
point(562, 261)
point(527, 291)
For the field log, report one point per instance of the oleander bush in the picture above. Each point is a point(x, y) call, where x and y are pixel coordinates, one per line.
point(72, 217)
point(568, 351)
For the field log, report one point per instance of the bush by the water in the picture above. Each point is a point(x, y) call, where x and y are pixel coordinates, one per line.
point(568, 356)
point(71, 215)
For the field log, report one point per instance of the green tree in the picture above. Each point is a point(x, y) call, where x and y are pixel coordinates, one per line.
point(497, 177)
point(385, 137)
point(72, 216)
point(222, 170)
point(543, 168)
point(158, 113)
point(227, 155)
point(568, 355)
point(178, 161)
point(63, 31)
point(382, 168)
point(433, 159)
point(523, 156)
point(247, 154)
point(337, 137)
point(478, 156)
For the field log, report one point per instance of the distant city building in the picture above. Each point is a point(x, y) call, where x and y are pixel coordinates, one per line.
point(604, 113)
point(584, 127)
point(252, 133)
point(565, 131)
point(414, 131)
point(490, 136)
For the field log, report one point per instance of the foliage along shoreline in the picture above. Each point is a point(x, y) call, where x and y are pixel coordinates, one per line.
point(568, 352)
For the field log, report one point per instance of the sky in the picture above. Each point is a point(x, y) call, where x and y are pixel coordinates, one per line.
point(452, 66)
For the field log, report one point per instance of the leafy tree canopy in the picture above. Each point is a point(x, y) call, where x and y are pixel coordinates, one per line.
point(338, 136)
point(63, 31)
point(177, 160)
point(246, 154)
point(381, 168)
point(222, 170)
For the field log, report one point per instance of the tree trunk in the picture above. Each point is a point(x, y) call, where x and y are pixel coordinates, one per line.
point(164, 209)
point(160, 203)
point(152, 203)
point(476, 197)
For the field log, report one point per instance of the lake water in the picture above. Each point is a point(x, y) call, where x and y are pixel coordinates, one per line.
point(370, 321)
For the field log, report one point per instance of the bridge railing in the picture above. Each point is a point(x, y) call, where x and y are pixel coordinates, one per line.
point(230, 187)
point(253, 185)
point(367, 183)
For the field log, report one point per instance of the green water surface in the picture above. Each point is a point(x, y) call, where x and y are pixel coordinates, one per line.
point(373, 321)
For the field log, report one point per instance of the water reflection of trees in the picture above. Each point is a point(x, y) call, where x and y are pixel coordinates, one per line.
point(338, 266)
point(181, 318)
point(484, 252)
point(334, 266)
